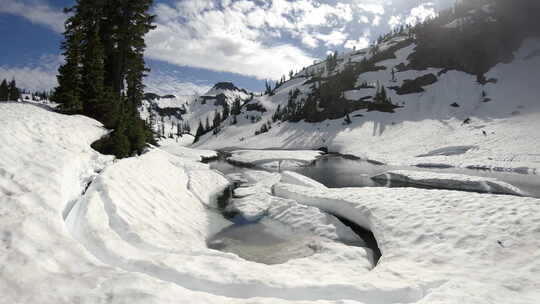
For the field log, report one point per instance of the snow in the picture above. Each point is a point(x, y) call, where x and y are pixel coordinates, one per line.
point(289, 177)
point(138, 233)
point(451, 246)
point(276, 158)
point(425, 123)
point(449, 181)
point(257, 204)
point(178, 148)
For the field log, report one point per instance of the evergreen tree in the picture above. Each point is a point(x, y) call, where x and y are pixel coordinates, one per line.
point(207, 125)
point(120, 145)
point(187, 128)
point(236, 107)
point(226, 111)
point(92, 84)
point(68, 92)
point(200, 132)
point(268, 88)
point(4, 91)
point(13, 92)
point(103, 74)
point(178, 130)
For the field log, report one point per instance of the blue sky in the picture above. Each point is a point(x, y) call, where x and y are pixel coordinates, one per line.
point(200, 42)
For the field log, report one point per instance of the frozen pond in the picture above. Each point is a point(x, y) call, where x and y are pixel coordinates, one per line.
point(263, 242)
point(336, 171)
point(269, 242)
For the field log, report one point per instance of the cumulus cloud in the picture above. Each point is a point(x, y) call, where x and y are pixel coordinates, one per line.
point(310, 41)
point(374, 8)
point(164, 84)
point(35, 12)
point(336, 37)
point(31, 78)
point(361, 43)
point(394, 21)
point(36, 76)
point(243, 37)
point(421, 13)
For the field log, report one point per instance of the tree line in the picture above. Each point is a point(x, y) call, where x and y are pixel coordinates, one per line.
point(102, 76)
point(9, 91)
point(219, 117)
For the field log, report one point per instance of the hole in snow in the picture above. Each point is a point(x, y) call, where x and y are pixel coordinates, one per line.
point(365, 235)
point(264, 242)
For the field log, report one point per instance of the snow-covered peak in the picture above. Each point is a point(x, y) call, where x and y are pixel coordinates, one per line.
point(229, 90)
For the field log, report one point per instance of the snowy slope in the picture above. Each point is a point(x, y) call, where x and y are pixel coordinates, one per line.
point(456, 247)
point(427, 121)
point(138, 233)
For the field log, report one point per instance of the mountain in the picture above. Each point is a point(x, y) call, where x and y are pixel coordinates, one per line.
point(171, 115)
point(411, 92)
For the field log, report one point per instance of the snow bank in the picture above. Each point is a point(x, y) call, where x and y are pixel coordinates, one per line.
point(178, 148)
point(454, 245)
point(275, 158)
point(449, 181)
point(138, 234)
point(289, 177)
point(257, 203)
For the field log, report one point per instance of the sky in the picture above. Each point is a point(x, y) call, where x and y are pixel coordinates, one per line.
point(198, 43)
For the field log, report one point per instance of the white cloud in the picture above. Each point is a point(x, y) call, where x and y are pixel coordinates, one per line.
point(310, 41)
point(35, 79)
point(361, 43)
point(376, 21)
point(363, 19)
point(421, 13)
point(394, 21)
point(38, 13)
point(240, 37)
point(374, 8)
point(163, 84)
point(334, 38)
point(39, 76)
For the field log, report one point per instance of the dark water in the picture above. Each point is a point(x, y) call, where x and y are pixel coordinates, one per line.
point(256, 241)
point(336, 171)
point(264, 242)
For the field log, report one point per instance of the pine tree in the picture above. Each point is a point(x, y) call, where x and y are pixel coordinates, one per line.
point(68, 92)
point(207, 125)
point(178, 130)
point(92, 85)
point(119, 141)
point(13, 92)
point(236, 107)
point(103, 74)
point(4, 91)
point(226, 111)
point(200, 132)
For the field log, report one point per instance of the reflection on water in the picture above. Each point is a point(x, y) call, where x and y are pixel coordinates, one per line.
point(335, 171)
point(263, 242)
point(270, 242)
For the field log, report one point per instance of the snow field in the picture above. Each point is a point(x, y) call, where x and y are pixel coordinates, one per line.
point(138, 233)
point(457, 246)
point(426, 122)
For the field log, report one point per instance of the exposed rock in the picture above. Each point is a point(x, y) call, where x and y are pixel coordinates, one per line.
point(416, 85)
